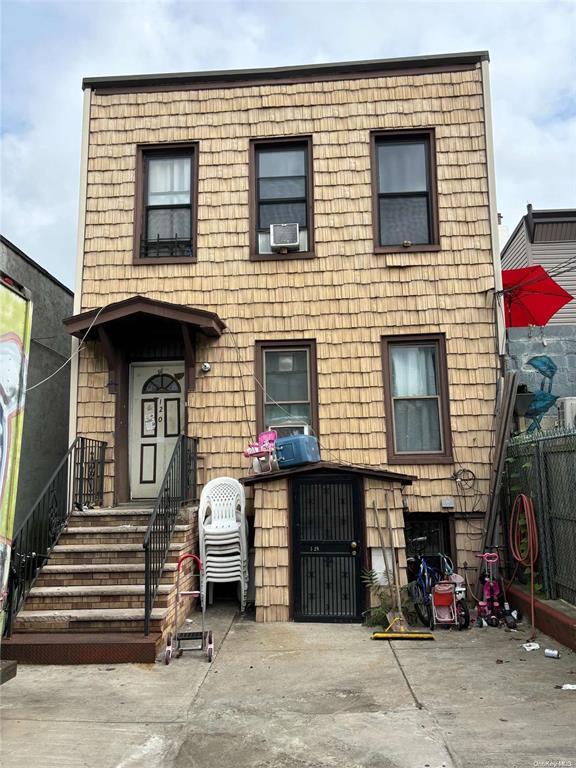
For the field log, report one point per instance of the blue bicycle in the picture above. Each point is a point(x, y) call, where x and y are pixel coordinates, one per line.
point(421, 588)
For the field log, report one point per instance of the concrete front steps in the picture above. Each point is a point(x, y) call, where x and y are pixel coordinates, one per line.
point(94, 597)
point(87, 604)
point(104, 574)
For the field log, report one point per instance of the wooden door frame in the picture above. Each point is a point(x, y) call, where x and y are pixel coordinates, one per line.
point(122, 409)
point(362, 592)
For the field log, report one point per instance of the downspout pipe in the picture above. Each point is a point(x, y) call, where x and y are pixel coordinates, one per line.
point(74, 365)
point(496, 261)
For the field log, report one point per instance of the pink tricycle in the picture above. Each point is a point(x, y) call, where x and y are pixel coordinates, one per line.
point(490, 607)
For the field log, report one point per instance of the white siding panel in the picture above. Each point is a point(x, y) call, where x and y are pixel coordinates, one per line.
point(551, 256)
point(515, 253)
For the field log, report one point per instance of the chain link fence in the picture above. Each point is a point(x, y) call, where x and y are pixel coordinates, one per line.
point(543, 466)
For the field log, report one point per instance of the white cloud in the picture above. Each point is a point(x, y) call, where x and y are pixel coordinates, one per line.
point(48, 47)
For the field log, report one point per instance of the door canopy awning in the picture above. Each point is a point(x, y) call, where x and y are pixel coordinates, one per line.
point(87, 324)
point(143, 328)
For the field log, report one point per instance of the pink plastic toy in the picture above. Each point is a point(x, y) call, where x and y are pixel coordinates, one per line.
point(263, 453)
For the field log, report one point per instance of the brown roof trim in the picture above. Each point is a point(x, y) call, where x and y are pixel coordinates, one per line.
point(545, 215)
point(207, 323)
point(555, 214)
point(330, 466)
point(337, 70)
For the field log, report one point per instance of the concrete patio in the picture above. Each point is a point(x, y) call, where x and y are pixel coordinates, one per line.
point(302, 696)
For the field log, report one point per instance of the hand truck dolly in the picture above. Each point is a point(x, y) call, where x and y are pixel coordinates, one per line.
point(185, 640)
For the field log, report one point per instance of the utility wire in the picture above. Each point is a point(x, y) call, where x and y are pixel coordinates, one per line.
point(72, 356)
point(269, 399)
point(560, 269)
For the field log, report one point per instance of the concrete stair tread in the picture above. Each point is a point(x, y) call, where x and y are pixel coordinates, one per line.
point(88, 591)
point(102, 568)
point(113, 529)
point(110, 547)
point(121, 512)
point(91, 614)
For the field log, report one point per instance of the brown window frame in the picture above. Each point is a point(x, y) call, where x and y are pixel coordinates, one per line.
point(256, 144)
point(264, 346)
point(167, 149)
point(444, 456)
point(429, 135)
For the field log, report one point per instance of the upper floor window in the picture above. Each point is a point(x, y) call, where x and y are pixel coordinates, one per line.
point(405, 187)
point(416, 397)
point(281, 191)
point(165, 208)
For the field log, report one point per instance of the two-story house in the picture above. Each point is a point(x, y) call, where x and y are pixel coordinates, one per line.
point(370, 324)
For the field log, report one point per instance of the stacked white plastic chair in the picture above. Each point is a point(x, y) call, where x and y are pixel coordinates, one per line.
point(222, 535)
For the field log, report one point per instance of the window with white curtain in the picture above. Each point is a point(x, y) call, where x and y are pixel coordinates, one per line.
point(416, 396)
point(167, 215)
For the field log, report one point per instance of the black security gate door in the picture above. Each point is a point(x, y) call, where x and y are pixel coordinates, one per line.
point(327, 548)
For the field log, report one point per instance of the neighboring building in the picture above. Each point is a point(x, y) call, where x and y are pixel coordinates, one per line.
point(547, 238)
point(375, 328)
point(45, 437)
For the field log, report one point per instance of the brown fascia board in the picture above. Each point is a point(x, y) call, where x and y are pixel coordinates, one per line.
point(548, 215)
point(337, 70)
point(329, 466)
point(207, 323)
point(555, 214)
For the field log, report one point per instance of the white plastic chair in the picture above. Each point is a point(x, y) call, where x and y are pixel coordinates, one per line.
point(223, 535)
point(222, 500)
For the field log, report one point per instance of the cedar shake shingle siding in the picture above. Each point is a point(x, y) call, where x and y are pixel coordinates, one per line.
point(346, 298)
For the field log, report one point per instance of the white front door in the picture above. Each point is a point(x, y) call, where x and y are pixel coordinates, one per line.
point(156, 420)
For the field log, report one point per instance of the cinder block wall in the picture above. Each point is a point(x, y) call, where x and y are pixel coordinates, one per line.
point(558, 342)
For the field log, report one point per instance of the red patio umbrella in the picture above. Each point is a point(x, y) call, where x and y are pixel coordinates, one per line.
point(531, 296)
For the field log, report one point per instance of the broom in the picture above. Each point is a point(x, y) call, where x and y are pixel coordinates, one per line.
point(397, 628)
point(396, 621)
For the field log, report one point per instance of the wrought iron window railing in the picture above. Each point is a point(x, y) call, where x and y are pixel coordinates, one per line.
point(77, 481)
point(166, 248)
point(179, 485)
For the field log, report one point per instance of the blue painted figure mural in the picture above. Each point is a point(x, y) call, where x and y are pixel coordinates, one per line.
point(543, 400)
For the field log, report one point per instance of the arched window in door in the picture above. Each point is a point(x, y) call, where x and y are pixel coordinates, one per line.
point(159, 383)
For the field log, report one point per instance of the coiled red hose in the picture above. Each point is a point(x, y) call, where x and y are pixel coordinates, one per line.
point(523, 507)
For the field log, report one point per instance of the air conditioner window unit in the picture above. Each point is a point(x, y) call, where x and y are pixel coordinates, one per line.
point(567, 412)
point(290, 428)
point(284, 237)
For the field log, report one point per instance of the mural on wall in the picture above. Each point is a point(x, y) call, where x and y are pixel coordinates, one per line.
point(15, 324)
point(543, 399)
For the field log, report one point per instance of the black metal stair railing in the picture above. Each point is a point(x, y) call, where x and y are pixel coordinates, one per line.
point(179, 485)
point(77, 481)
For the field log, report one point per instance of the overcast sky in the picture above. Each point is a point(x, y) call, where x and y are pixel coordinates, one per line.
point(47, 47)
